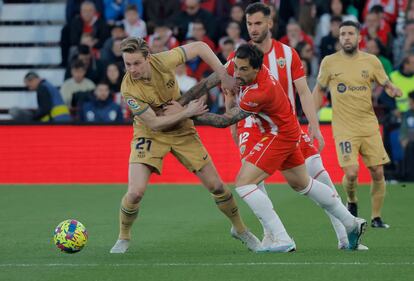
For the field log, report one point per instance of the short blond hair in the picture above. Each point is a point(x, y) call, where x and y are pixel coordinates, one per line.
point(135, 45)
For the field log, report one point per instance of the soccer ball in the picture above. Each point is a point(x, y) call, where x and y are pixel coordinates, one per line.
point(70, 236)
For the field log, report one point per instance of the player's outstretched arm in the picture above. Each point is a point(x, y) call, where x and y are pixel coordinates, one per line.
point(222, 120)
point(317, 95)
point(200, 89)
point(158, 123)
point(202, 50)
point(310, 111)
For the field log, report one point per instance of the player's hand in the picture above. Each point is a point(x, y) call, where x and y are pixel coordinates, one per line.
point(172, 107)
point(315, 133)
point(228, 83)
point(195, 108)
point(396, 92)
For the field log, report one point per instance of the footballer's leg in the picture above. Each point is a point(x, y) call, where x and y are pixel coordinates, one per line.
point(377, 196)
point(349, 183)
point(227, 205)
point(262, 207)
point(138, 177)
point(323, 195)
point(317, 171)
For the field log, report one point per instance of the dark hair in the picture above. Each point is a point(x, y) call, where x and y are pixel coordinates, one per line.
point(31, 75)
point(376, 9)
point(131, 7)
point(77, 64)
point(350, 23)
point(336, 19)
point(84, 50)
point(103, 82)
point(382, 49)
point(251, 52)
point(300, 46)
point(228, 41)
point(257, 7)
point(411, 95)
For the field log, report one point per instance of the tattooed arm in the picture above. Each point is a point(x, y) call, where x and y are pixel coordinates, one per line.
point(199, 89)
point(232, 115)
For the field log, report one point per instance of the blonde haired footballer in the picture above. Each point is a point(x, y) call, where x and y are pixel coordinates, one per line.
point(147, 87)
point(349, 74)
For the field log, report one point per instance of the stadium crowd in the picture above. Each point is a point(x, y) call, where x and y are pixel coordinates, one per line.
point(94, 29)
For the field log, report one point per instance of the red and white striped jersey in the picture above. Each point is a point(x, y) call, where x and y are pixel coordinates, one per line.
point(272, 110)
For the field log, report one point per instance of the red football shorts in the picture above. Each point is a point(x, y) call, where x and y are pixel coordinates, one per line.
point(306, 146)
point(271, 154)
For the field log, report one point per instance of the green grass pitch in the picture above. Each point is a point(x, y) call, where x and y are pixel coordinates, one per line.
point(180, 235)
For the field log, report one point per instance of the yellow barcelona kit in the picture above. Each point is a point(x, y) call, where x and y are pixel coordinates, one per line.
point(148, 146)
point(354, 123)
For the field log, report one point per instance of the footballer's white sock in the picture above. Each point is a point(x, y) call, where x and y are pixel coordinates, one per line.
point(262, 187)
point(327, 199)
point(262, 207)
point(317, 171)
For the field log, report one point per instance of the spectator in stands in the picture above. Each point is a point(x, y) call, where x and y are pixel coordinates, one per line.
point(94, 67)
point(375, 47)
point(407, 139)
point(233, 31)
point(237, 15)
point(73, 8)
point(115, 9)
point(376, 28)
point(113, 77)
point(294, 35)
point(307, 18)
point(330, 43)
point(77, 83)
point(113, 55)
point(184, 81)
point(197, 30)
point(389, 7)
point(306, 53)
point(336, 10)
point(403, 78)
point(166, 10)
point(157, 45)
point(226, 47)
point(404, 44)
point(163, 32)
point(192, 12)
point(117, 33)
point(134, 25)
point(89, 21)
point(51, 107)
point(102, 108)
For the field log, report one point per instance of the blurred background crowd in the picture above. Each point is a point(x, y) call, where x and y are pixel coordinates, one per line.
point(91, 36)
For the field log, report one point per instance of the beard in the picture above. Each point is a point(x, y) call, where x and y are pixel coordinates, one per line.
point(350, 50)
point(261, 38)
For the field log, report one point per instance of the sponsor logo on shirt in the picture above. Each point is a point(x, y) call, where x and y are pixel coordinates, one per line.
point(341, 88)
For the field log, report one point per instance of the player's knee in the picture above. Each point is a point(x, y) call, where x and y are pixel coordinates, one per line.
point(377, 173)
point(135, 196)
point(216, 187)
point(351, 176)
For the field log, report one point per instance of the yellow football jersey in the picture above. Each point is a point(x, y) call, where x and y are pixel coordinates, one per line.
point(350, 81)
point(160, 89)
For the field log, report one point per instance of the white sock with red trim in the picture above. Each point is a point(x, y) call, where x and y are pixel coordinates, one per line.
point(317, 171)
point(262, 207)
point(325, 197)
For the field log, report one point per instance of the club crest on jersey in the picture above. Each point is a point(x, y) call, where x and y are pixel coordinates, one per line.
point(242, 149)
point(281, 62)
point(133, 104)
point(365, 74)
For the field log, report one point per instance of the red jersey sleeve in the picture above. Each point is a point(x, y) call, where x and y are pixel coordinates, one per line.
point(297, 67)
point(252, 101)
point(230, 64)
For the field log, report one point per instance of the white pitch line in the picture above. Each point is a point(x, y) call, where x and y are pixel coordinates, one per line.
point(207, 264)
